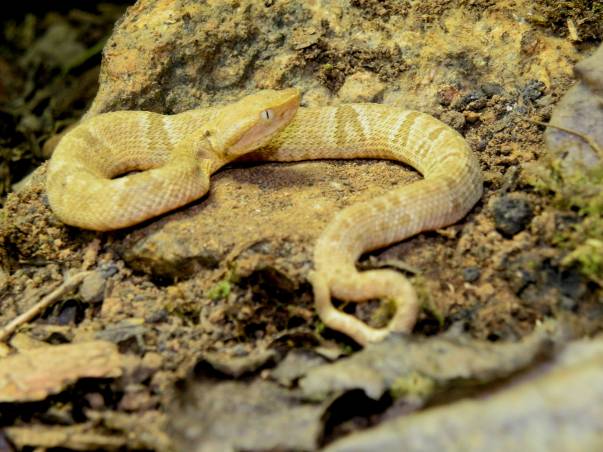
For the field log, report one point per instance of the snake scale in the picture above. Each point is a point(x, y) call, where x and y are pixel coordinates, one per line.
point(174, 156)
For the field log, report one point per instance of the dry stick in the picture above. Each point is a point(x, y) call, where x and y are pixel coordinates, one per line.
point(90, 255)
point(38, 308)
point(589, 140)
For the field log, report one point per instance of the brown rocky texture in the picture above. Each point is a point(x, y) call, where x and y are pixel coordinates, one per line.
point(261, 210)
point(578, 20)
point(236, 260)
point(169, 56)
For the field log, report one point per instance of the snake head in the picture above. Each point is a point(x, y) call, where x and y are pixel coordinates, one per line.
point(251, 122)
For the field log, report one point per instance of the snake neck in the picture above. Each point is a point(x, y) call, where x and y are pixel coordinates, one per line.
point(213, 165)
point(199, 153)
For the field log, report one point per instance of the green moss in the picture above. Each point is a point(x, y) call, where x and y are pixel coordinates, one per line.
point(320, 328)
point(220, 290)
point(426, 300)
point(413, 385)
point(580, 192)
point(327, 67)
point(383, 314)
point(223, 287)
point(589, 256)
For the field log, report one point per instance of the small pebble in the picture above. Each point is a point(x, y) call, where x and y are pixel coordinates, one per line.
point(481, 145)
point(68, 314)
point(511, 214)
point(492, 89)
point(446, 95)
point(362, 86)
point(545, 101)
point(470, 98)
point(478, 104)
point(158, 316)
point(533, 90)
point(568, 303)
point(454, 119)
point(471, 116)
point(92, 289)
point(3, 278)
point(471, 274)
point(109, 269)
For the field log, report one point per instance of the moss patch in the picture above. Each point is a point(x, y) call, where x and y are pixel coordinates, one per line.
point(581, 194)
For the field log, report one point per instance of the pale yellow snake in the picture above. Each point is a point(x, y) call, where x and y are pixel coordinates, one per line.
point(177, 154)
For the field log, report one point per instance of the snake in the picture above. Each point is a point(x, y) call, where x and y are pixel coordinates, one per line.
point(117, 169)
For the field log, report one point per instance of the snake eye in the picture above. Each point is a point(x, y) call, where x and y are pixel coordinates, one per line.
point(267, 115)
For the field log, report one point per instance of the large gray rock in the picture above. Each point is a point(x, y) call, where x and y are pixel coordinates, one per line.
point(581, 109)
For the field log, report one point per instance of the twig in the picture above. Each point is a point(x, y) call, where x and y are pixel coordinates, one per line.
point(587, 138)
point(69, 284)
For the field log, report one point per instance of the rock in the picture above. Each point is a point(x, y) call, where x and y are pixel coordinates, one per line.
point(296, 364)
point(393, 365)
point(276, 44)
point(34, 374)
point(533, 90)
point(230, 364)
point(244, 415)
point(473, 101)
point(92, 289)
point(254, 214)
point(454, 119)
point(446, 95)
point(492, 89)
point(539, 411)
point(362, 86)
point(511, 214)
point(158, 316)
point(471, 274)
point(580, 110)
point(590, 71)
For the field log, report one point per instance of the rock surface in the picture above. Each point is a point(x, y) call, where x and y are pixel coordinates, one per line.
point(237, 260)
point(581, 109)
point(34, 374)
point(511, 214)
point(171, 56)
point(538, 414)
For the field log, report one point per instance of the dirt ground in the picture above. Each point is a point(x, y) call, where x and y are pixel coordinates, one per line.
point(197, 330)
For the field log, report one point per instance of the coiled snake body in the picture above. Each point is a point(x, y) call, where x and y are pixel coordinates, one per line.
point(176, 155)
